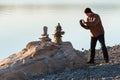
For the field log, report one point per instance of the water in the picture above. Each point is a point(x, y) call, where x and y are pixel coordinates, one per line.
point(20, 25)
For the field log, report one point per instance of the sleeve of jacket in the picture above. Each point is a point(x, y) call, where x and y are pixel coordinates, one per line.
point(95, 21)
point(83, 25)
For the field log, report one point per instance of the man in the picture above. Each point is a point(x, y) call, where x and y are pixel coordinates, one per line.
point(95, 26)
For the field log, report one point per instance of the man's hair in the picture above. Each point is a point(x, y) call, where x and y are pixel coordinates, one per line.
point(88, 10)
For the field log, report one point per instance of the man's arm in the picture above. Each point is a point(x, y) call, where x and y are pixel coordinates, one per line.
point(94, 22)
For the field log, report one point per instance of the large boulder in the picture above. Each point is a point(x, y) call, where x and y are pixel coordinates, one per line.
point(41, 58)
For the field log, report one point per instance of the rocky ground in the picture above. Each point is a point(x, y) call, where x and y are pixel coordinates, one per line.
point(98, 71)
point(50, 61)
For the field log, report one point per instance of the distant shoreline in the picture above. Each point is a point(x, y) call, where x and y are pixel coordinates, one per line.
point(60, 5)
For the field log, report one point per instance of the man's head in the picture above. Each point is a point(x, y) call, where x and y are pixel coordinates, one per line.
point(88, 12)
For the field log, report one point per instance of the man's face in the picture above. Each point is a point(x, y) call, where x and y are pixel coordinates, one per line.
point(88, 14)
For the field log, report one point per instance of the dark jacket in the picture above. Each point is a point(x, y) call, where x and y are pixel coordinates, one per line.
point(94, 24)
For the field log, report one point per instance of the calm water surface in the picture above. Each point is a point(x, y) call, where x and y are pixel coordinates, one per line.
point(20, 25)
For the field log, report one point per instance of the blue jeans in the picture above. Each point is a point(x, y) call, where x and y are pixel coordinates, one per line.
point(103, 46)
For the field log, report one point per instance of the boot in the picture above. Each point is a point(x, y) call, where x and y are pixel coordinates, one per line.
point(90, 62)
point(106, 61)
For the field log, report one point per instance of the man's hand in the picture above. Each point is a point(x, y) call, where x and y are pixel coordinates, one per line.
point(82, 21)
point(83, 24)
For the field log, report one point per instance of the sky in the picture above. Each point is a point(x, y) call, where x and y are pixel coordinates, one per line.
point(57, 1)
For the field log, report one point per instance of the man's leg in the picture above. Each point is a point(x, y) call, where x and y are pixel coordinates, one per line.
point(92, 48)
point(104, 49)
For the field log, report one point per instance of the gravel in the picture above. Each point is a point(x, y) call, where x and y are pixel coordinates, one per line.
point(93, 72)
